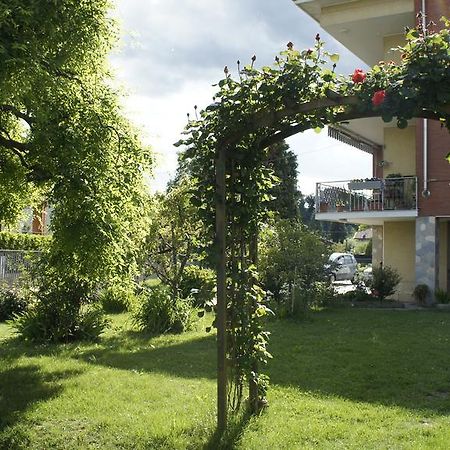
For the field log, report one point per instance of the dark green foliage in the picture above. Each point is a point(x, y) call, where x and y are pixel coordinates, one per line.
point(48, 322)
point(359, 294)
point(12, 302)
point(384, 282)
point(285, 193)
point(442, 296)
point(22, 241)
point(318, 294)
point(158, 312)
point(291, 255)
point(198, 283)
point(368, 251)
point(116, 299)
point(421, 293)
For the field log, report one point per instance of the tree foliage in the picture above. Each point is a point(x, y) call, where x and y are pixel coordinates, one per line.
point(291, 254)
point(285, 191)
point(174, 236)
point(62, 129)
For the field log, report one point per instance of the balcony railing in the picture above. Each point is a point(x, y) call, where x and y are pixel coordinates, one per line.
point(386, 194)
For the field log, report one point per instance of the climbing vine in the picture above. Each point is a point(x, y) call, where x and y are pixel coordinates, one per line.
point(258, 107)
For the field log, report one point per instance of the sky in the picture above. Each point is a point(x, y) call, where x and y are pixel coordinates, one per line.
point(171, 52)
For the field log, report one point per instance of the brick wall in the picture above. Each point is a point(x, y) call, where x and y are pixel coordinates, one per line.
point(438, 203)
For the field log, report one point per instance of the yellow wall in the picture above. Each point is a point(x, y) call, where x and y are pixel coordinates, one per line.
point(443, 245)
point(390, 42)
point(400, 253)
point(400, 150)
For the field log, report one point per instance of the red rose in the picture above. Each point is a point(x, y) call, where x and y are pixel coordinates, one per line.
point(378, 98)
point(358, 76)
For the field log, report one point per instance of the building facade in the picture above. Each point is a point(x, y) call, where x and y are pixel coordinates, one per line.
point(407, 202)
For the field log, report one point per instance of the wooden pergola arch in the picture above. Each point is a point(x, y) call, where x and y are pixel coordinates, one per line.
point(349, 108)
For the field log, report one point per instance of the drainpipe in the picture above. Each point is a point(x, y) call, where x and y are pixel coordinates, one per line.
point(425, 191)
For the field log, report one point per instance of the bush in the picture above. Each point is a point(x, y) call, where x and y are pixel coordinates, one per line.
point(159, 312)
point(198, 283)
point(22, 241)
point(12, 302)
point(117, 299)
point(60, 316)
point(384, 282)
point(420, 293)
point(359, 294)
point(442, 296)
point(34, 324)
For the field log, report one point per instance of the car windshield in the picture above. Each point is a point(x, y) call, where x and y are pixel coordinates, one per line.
point(334, 256)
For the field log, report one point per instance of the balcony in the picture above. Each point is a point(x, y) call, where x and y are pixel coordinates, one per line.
point(368, 201)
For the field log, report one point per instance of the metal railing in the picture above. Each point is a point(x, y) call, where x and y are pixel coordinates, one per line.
point(14, 263)
point(383, 194)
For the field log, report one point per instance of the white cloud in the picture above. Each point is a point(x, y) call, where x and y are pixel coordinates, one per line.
point(173, 51)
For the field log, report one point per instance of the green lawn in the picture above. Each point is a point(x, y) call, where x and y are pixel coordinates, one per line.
point(347, 378)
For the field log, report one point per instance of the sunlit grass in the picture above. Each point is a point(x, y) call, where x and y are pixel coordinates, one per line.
point(342, 379)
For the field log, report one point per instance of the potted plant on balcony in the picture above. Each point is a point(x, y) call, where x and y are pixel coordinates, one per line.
point(374, 204)
point(323, 206)
point(340, 206)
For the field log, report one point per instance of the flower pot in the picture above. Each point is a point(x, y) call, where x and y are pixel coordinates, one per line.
point(323, 207)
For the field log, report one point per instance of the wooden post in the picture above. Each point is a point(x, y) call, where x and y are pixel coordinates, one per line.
point(221, 227)
point(253, 385)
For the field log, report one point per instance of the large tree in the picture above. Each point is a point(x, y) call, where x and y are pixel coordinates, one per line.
point(285, 193)
point(61, 128)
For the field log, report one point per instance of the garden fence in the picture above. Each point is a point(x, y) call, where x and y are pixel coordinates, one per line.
point(14, 263)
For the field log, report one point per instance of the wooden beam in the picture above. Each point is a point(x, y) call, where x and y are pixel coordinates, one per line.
point(221, 263)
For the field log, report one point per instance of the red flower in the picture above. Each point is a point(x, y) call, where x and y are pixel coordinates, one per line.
point(378, 98)
point(358, 76)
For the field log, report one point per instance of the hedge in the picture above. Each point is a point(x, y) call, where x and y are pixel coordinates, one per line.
point(21, 241)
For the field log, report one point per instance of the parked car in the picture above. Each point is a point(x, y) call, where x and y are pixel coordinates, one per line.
point(341, 266)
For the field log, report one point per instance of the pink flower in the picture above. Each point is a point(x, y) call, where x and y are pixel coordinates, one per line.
point(378, 98)
point(358, 76)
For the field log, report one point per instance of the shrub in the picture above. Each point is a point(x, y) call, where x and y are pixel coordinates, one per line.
point(12, 302)
point(290, 255)
point(60, 315)
point(117, 299)
point(34, 324)
point(199, 283)
point(384, 281)
point(359, 294)
point(22, 241)
point(442, 296)
point(420, 293)
point(159, 312)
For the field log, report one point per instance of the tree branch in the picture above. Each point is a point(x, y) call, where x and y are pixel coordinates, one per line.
point(16, 112)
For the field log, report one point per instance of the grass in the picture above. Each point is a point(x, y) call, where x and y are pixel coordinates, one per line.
point(343, 379)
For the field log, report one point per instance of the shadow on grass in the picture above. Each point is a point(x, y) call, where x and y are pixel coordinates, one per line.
point(20, 388)
point(230, 438)
point(195, 358)
point(381, 357)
